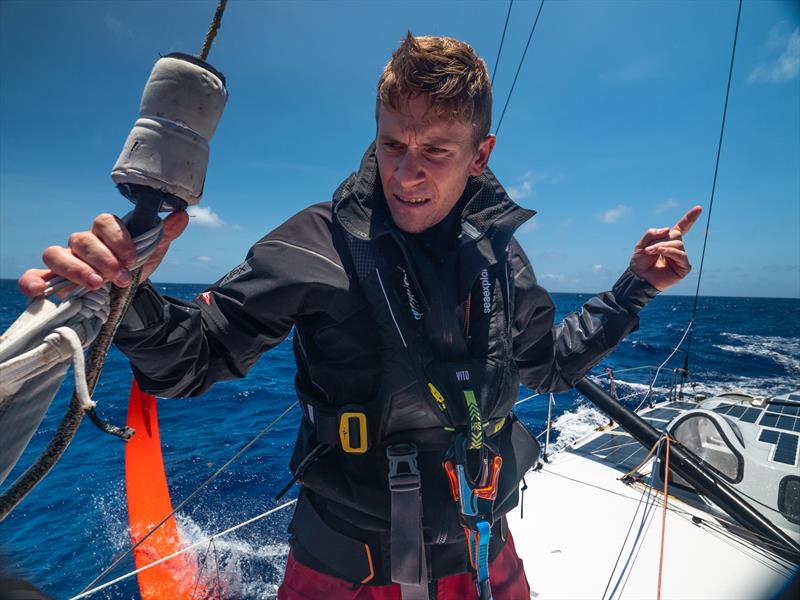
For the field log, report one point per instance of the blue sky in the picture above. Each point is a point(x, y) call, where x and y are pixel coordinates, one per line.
point(612, 128)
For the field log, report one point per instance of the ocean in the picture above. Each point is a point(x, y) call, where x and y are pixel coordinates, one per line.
point(74, 523)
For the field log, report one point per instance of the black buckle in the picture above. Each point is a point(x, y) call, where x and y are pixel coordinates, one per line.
point(403, 471)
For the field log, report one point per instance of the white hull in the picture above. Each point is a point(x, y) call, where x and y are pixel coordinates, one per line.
point(576, 516)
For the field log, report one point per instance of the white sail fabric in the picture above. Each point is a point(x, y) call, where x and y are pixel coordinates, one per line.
point(35, 353)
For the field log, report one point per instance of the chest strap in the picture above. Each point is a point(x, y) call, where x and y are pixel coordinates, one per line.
point(409, 564)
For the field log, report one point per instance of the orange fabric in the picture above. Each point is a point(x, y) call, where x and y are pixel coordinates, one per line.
point(506, 573)
point(148, 503)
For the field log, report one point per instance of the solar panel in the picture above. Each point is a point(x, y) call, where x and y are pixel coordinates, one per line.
point(769, 420)
point(786, 450)
point(769, 436)
point(795, 397)
point(785, 445)
point(657, 423)
point(737, 411)
point(663, 414)
point(750, 415)
point(617, 450)
point(683, 405)
point(784, 409)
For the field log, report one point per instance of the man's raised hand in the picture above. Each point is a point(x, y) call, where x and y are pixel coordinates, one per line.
point(660, 257)
point(104, 253)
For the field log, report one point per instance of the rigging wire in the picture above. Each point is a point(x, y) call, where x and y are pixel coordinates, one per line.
point(646, 513)
point(164, 559)
point(519, 67)
point(502, 39)
point(663, 515)
point(658, 370)
point(188, 499)
point(713, 190)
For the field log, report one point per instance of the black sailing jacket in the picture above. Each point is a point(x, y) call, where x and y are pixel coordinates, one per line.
point(301, 275)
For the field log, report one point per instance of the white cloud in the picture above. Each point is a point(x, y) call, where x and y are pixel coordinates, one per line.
point(597, 268)
point(667, 205)
point(204, 258)
point(553, 276)
point(523, 190)
point(117, 27)
point(781, 57)
point(615, 214)
point(204, 216)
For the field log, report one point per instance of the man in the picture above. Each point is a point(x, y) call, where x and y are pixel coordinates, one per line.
point(416, 315)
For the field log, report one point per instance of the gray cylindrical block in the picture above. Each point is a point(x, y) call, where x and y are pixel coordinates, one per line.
point(167, 148)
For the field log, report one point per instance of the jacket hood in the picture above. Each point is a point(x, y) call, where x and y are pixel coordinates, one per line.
point(489, 213)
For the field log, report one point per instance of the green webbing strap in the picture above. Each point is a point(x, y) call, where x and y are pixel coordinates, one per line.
point(475, 424)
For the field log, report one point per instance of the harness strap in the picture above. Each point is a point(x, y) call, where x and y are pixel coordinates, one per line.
point(409, 564)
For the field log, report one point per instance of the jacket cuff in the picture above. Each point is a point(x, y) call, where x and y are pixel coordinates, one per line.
point(633, 292)
point(146, 309)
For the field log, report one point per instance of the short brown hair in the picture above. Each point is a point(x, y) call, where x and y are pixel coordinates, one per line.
point(449, 72)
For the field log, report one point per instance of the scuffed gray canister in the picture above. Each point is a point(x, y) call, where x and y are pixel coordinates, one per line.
point(167, 149)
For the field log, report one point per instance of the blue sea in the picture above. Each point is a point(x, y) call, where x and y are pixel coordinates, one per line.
point(74, 523)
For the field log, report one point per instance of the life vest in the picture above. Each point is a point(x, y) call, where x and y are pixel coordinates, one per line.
point(426, 413)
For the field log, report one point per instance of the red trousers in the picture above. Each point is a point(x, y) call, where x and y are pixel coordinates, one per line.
point(506, 575)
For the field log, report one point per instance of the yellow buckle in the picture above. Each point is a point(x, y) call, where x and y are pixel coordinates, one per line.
point(347, 427)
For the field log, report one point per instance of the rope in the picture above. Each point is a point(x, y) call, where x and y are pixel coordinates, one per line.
point(186, 500)
point(519, 68)
point(713, 186)
point(518, 402)
point(502, 39)
point(641, 464)
point(624, 542)
point(663, 518)
point(212, 30)
point(207, 540)
point(634, 548)
point(81, 397)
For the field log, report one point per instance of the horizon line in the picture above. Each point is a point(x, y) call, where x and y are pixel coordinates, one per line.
point(547, 290)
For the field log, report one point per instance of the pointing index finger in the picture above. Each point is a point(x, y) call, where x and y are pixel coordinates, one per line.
point(686, 221)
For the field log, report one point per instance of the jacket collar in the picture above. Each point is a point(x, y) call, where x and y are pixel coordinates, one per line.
point(490, 216)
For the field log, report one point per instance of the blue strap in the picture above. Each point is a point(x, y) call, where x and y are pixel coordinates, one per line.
point(484, 534)
point(469, 504)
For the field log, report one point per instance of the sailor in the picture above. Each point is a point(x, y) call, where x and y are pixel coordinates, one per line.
point(416, 316)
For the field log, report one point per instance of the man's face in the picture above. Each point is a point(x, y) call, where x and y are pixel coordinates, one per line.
point(425, 160)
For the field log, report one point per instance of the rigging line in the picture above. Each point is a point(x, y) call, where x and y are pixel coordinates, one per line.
point(502, 39)
point(216, 562)
point(658, 371)
point(663, 516)
point(186, 500)
point(519, 68)
point(774, 561)
point(624, 542)
point(202, 562)
point(164, 559)
point(714, 184)
point(622, 579)
point(216, 22)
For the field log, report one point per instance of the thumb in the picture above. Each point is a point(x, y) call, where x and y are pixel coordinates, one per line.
point(174, 226)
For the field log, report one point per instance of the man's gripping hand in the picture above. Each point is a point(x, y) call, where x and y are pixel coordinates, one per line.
point(660, 257)
point(104, 253)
